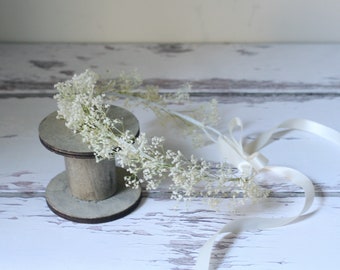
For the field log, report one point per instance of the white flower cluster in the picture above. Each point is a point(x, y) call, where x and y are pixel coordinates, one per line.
point(81, 103)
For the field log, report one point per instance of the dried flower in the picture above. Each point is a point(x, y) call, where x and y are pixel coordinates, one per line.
point(82, 104)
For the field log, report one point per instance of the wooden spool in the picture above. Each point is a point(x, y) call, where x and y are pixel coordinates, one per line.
point(88, 191)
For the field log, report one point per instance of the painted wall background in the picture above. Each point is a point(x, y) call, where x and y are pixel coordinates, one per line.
point(170, 20)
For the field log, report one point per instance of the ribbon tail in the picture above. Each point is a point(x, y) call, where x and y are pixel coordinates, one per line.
point(259, 223)
point(294, 124)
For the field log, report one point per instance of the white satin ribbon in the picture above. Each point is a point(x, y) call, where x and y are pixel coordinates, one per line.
point(294, 124)
point(247, 158)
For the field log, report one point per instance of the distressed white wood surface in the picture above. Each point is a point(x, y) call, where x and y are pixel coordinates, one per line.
point(261, 84)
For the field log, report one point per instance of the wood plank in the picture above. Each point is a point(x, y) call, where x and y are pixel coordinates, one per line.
point(34, 68)
point(166, 235)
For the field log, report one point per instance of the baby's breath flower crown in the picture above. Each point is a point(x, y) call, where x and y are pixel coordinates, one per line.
point(83, 103)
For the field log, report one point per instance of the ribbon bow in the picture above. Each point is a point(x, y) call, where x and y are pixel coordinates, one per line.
point(232, 150)
point(247, 159)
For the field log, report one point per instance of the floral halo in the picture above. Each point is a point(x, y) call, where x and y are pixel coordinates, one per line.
point(83, 102)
